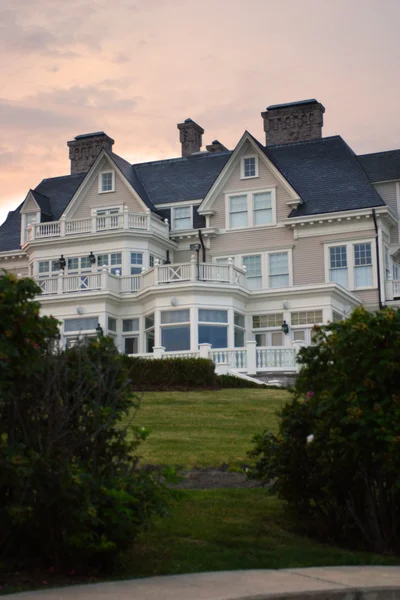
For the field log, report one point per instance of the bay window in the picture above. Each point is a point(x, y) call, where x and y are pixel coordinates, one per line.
point(213, 327)
point(175, 330)
point(136, 263)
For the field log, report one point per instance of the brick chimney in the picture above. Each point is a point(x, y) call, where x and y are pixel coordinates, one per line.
point(190, 136)
point(216, 146)
point(84, 149)
point(293, 122)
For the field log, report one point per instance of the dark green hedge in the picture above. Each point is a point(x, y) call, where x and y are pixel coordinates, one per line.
point(171, 373)
point(229, 381)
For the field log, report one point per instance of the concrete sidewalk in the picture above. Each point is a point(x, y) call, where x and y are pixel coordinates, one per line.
point(326, 583)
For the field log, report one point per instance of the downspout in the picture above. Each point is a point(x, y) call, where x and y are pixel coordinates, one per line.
point(377, 259)
point(202, 245)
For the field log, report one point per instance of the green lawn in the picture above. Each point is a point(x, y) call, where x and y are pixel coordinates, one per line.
point(206, 429)
point(215, 530)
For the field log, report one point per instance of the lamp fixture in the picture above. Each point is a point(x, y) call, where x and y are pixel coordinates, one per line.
point(99, 330)
point(285, 328)
point(62, 262)
point(92, 258)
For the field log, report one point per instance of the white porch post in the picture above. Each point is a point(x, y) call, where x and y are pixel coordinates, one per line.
point(251, 358)
point(231, 328)
point(126, 217)
point(205, 350)
point(193, 268)
point(60, 282)
point(389, 287)
point(194, 330)
point(158, 351)
point(156, 271)
point(157, 328)
point(148, 213)
point(231, 273)
point(104, 278)
point(62, 226)
point(94, 223)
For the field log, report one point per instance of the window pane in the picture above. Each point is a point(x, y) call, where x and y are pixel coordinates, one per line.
point(130, 325)
point(262, 208)
point(362, 255)
point(278, 264)
point(182, 217)
point(136, 270)
point(272, 320)
point(299, 335)
point(238, 211)
point(136, 258)
point(182, 212)
point(149, 321)
point(150, 341)
point(131, 345)
point(239, 338)
point(277, 338)
point(278, 281)
point(239, 320)
point(261, 339)
point(213, 316)
point(102, 260)
point(116, 258)
point(73, 264)
point(253, 265)
point(363, 276)
point(175, 338)
point(44, 266)
point(85, 262)
point(151, 260)
point(249, 167)
point(175, 316)
point(339, 276)
point(214, 335)
point(112, 324)
point(82, 324)
point(338, 257)
point(309, 317)
point(106, 182)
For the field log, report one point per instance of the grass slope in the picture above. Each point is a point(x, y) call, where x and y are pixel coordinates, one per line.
point(215, 530)
point(206, 429)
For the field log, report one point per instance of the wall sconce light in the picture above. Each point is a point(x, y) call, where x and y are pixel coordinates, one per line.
point(92, 258)
point(62, 262)
point(99, 330)
point(285, 328)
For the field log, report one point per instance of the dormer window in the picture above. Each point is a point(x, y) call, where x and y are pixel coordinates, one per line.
point(249, 167)
point(106, 182)
point(182, 217)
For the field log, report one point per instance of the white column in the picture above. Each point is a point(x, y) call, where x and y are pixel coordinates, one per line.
point(60, 282)
point(148, 213)
point(62, 226)
point(204, 350)
point(231, 328)
point(94, 223)
point(251, 358)
point(126, 217)
point(194, 330)
point(104, 278)
point(193, 268)
point(157, 328)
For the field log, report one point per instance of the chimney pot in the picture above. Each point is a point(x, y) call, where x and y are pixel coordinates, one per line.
point(85, 148)
point(190, 136)
point(293, 122)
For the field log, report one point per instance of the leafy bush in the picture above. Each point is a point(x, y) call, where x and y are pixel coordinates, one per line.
point(336, 459)
point(71, 493)
point(171, 373)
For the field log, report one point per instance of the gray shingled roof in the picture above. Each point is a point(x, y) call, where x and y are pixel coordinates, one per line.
point(43, 202)
point(381, 166)
point(129, 172)
point(177, 179)
point(59, 191)
point(326, 174)
point(10, 231)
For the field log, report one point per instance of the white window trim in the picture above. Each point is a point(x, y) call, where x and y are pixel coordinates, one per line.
point(238, 259)
point(118, 207)
point(173, 209)
point(242, 175)
point(350, 263)
point(113, 181)
point(250, 204)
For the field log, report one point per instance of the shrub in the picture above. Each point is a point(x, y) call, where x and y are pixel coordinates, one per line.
point(171, 373)
point(344, 482)
point(71, 492)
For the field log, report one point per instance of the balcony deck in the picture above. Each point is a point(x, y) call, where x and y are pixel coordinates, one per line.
point(156, 276)
point(146, 221)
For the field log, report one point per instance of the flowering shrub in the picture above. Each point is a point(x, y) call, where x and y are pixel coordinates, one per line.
point(336, 459)
point(71, 493)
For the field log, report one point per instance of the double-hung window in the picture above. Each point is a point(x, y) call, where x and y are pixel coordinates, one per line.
point(213, 327)
point(182, 217)
point(239, 330)
point(130, 336)
point(249, 167)
point(48, 268)
point(278, 270)
point(136, 263)
point(107, 182)
point(238, 215)
point(253, 271)
point(175, 330)
point(262, 208)
point(149, 332)
point(338, 265)
point(362, 265)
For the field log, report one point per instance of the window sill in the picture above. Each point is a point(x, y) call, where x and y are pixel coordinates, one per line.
point(106, 191)
point(250, 227)
point(250, 177)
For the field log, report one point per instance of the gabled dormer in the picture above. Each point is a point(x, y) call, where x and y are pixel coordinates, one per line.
point(35, 209)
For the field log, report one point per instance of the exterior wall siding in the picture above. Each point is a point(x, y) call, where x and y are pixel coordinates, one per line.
point(388, 193)
point(92, 198)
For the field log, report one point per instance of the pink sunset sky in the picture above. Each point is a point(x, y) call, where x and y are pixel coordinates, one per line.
point(136, 68)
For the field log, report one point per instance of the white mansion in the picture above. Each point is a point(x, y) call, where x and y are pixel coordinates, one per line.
point(232, 254)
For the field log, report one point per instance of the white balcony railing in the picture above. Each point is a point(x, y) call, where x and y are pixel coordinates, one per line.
point(249, 359)
point(147, 221)
point(228, 275)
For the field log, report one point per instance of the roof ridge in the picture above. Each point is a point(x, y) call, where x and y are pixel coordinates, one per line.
point(300, 142)
point(182, 158)
point(376, 153)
